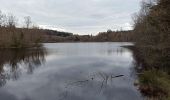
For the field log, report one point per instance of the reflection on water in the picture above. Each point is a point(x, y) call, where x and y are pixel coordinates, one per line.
point(71, 71)
point(13, 62)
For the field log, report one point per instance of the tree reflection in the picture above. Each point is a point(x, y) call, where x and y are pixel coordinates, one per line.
point(14, 62)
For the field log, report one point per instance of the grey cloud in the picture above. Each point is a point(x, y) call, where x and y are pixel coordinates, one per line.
point(74, 15)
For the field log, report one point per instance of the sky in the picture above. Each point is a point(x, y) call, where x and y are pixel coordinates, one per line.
point(76, 16)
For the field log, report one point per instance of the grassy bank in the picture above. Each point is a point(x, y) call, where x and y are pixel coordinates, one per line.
point(155, 77)
point(154, 82)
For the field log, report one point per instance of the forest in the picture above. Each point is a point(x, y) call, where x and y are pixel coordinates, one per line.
point(152, 47)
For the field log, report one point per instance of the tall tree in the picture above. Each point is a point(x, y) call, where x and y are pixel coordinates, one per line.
point(11, 21)
point(27, 21)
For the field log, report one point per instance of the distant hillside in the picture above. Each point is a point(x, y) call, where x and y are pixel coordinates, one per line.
point(54, 36)
point(57, 33)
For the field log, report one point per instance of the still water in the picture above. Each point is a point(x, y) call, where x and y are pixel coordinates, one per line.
point(69, 71)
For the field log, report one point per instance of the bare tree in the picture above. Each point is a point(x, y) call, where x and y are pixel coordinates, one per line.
point(11, 21)
point(27, 21)
point(1, 19)
point(35, 26)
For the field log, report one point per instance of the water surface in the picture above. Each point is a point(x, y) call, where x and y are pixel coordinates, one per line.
point(69, 71)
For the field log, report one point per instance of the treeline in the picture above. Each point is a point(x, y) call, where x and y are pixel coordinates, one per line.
point(152, 34)
point(32, 36)
point(115, 36)
point(109, 36)
point(29, 35)
point(13, 37)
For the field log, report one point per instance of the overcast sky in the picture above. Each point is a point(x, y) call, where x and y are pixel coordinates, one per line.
point(77, 16)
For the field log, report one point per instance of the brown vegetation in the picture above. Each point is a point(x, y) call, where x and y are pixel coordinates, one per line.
point(115, 36)
point(13, 37)
point(152, 34)
point(152, 29)
point(29, 36)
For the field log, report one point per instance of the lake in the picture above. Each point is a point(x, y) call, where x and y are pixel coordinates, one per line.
point(69, 71)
